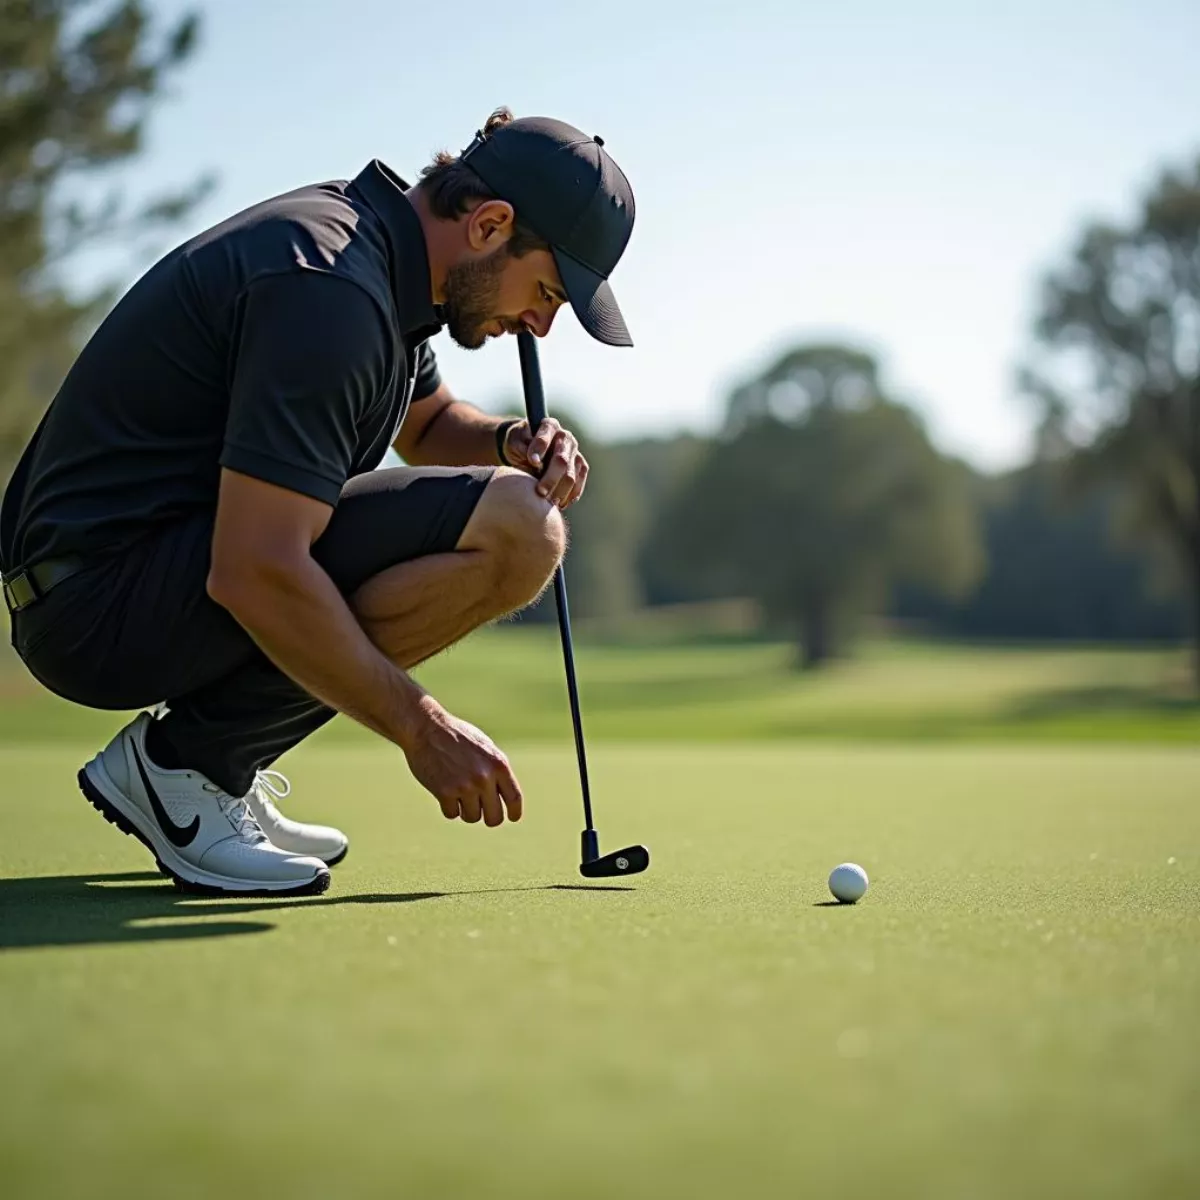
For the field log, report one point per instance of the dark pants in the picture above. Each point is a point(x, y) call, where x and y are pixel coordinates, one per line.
point(139, 628)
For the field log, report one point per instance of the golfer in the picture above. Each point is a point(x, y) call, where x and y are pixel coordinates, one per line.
point(197, 527)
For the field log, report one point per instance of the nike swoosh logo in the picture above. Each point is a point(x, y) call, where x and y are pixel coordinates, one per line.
point(178, 835)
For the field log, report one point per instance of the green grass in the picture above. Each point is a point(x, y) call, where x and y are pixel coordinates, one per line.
point(510, 682)
point(1011, 1011)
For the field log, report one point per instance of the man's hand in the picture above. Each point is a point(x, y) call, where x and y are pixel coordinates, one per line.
point(552, 456)
point(442, 431)
point(467, 773)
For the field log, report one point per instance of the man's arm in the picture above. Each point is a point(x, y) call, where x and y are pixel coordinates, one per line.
point(264, 575)
point(444, 432)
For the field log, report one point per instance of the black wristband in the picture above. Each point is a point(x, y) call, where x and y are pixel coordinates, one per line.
point(502, 436)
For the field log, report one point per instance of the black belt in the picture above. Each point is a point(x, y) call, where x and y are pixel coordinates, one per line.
point(28, 585)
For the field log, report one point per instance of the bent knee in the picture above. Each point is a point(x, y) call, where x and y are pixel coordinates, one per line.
point(523, 531)
point(511, 515)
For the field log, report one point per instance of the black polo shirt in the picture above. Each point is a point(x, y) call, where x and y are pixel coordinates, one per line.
point(285, 343)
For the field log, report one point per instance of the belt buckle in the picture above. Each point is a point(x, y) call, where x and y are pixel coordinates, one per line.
point(21, 591)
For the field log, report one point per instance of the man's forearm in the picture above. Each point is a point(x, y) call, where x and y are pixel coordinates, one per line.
point(459, 436)
point(302, 623)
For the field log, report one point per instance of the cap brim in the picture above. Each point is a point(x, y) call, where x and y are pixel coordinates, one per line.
point(593, 301)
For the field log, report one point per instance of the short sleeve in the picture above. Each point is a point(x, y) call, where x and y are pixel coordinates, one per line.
point(429, 378)
point(311, 358)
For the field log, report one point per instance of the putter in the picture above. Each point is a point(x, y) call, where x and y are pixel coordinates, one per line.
point(592, 864)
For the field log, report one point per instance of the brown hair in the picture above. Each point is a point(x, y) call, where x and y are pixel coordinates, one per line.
point(452, 188)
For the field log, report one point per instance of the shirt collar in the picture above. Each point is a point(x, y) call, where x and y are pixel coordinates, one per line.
point(408, 257)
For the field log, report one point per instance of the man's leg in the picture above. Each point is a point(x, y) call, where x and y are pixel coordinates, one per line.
point(424, 557)
point(503, 560)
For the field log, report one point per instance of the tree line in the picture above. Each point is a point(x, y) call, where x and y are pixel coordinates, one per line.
point(833, 517)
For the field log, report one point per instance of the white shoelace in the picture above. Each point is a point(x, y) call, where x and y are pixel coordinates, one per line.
point(275, 782)
point(237, 812)
point(270, 786)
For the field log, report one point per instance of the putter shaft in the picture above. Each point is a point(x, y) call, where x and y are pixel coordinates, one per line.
point(535, 410)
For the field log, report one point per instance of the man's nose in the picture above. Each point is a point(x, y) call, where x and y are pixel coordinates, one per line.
point(538, 321)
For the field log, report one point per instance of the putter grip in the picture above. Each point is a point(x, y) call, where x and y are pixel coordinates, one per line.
point(531, 379)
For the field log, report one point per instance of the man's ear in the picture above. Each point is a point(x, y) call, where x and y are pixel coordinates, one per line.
point(489, 225)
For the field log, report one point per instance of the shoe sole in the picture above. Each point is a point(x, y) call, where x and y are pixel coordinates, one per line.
point(329, 862)
point(210, 885)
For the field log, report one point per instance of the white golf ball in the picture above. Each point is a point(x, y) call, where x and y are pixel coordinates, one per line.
point(848, 883)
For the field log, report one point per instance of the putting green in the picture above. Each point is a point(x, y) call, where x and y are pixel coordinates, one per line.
point(1011, 1011)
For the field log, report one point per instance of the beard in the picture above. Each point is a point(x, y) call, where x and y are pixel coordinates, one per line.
point(472, 292)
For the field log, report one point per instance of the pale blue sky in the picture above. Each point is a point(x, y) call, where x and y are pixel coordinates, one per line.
point(896, 174)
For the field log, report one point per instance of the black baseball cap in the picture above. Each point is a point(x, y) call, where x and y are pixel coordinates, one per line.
point(565, 186)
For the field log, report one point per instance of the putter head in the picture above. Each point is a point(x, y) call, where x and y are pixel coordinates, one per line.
point(630, 861)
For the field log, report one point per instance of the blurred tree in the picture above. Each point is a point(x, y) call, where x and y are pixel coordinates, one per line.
point(655, 469)
point(1054, 570)
point(605, 527)
point(1118, 363)
point(820, 496)
point(77, 81)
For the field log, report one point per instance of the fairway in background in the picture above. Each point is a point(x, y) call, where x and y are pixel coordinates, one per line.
point(509, 681)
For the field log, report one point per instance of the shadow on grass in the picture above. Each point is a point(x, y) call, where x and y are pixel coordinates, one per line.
point(1104, 698)
point(1141, 712)
point(107, 909)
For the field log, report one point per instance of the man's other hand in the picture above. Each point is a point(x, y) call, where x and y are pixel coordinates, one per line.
point(552, 456)
point(466, 772)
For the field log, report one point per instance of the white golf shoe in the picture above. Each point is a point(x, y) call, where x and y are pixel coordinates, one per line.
point(204, 838)
point(317, 841)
